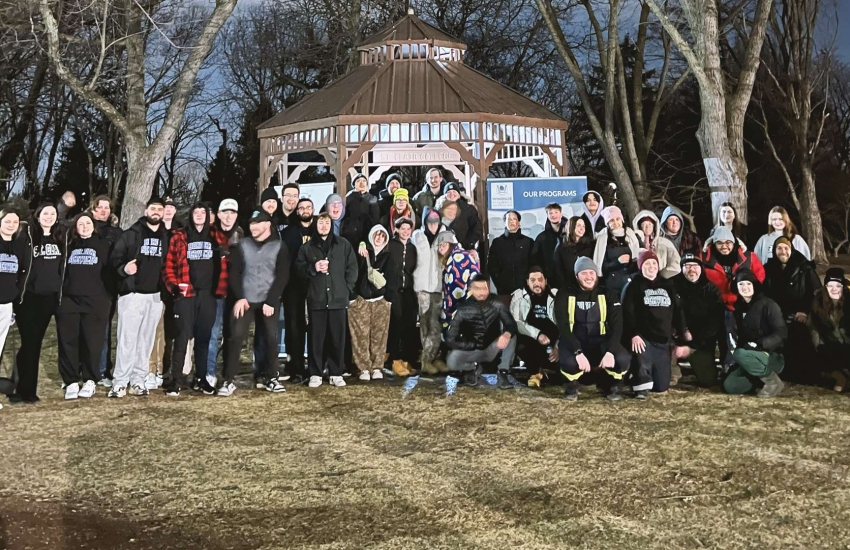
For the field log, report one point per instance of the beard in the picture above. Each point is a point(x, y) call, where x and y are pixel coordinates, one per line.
point(305, 217)
point(152, 221)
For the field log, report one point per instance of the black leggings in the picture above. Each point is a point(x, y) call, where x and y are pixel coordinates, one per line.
point(32, 318)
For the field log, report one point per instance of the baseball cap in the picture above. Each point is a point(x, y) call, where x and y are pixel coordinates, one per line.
point(228, 204)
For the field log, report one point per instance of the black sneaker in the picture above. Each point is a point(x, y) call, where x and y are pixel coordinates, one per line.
point(470, 378)
point(204, 386)
point(643, 395)
point(614, 394)
point(571, 396)
point(503, 382)
point(196, 385)
point(296, 380)
point(171, 389)
point(274, 386)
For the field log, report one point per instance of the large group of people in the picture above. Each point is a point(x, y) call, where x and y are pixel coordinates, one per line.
point(591, 299)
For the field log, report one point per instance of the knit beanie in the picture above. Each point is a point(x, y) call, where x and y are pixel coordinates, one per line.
point(834, 275)
point(584, 263)
point(722, 234)
point(269, 193)
point(450, 186)
point(783, 240)
point(446, 237)
point(610, 213)
point(357, 177)
point(401, 193)
point(332, 198)
point(644, 256)
point(690, 258)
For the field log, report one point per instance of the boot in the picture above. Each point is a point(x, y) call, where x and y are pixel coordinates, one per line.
point(614, 393)
point(503, 382)
point(840, 381)
point(534, 380)
point(398, 368)
point(410, 370)
point(772, 386)
point(571, 391)
point(441, 365)
point(429, 368)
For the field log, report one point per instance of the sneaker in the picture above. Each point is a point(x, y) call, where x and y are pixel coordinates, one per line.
point(88, 389)
point(150, 381)
point(503, 382)
point(364, 376)
point(205, 387)
point(643, 395)
point(172, 389)
point(346, 374)
point(614, 394)
point(259, 384)
point(139, 391)
point(470, 378)
point(283, 377)
point(377, 374)
point(338, 381)
point(226, 390)
point(534, 380)
point(274, 386)
point(117, 391)
point(105, 382)
point(72, 391)
point(315, 381)
point(297, 380)
point(212, 380)
point(571, 396)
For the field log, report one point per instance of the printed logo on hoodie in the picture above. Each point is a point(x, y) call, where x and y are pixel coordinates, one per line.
point(656, 297)
point(8, 263)
point(83, 256)
point(200, 250)
point(153, 247)
point(47, 251)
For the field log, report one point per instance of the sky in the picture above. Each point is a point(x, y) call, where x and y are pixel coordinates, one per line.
point(843, 43)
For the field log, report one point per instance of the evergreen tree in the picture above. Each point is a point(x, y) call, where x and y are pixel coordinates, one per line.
point(74, 174)
point(222, 181)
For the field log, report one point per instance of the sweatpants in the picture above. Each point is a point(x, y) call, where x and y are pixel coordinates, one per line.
point(702, 363)
point(330, 325)
point(462, 360)
point(81, 331)
point(652, 369)
point(430, 328)
point(106, 364)
point(32, 318)
point(750, 367)
point(138, 316)
point(238, 335)
point(194, 318)
point(296, 335)
point(402, 341)
point(216, 339)
point(594, 354)
point(368, 321)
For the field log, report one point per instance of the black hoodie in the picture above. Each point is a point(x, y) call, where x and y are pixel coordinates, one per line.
point(13, 263)
point(202, 253)
point(86, 265)
point(543, 253)
point(651, 310)
point(45, 273)
point(509, 260)
point(704, 310)
point(148, 248)
point(793, 287)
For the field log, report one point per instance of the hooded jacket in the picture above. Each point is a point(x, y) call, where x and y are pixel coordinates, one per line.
point(509, 260)
point(466, 225)
point(380, 260)
point(585, 331)
point(139, 240)
point(385, 198)
point(425, 198)
point(278, 218)
point(594, 224)
point(459, 268)
point(334, 289)
point(428, 275)
point(176, 269)
point(703, 307)
point(476, 324)
point(86, 268)
point(764, 246)
point(521, 306)
point(685, 240)
point(295, 236)
point(404, 258)
point(360, 215)
point(717, 273)
point(565, 262)
point(606, 257)
point(42, 270)
point(759, 321)
point(651, 310)
point(543, 252)
point(13, 268)
point(792, 288)
point(668, 256)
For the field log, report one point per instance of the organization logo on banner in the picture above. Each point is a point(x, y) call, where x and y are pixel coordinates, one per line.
point(502, 195)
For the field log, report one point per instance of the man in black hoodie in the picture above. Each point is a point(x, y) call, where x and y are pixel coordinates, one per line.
point(791, 281)
point(106, 226)
point(652, 319)
point(543, 253)
point(704, 315)
point(295, 298)
point(137, 260)
point(510, 256)
point(759, 336)
point(259, 271)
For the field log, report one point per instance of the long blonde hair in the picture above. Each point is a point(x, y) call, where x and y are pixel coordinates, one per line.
point(790, 230)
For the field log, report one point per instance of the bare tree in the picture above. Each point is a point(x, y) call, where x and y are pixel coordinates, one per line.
point(123, 29)
point(723, 98)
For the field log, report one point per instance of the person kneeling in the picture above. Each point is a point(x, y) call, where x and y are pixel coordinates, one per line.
point(829, 324)
point(760, 334)
point(652, 319)
point(590, 324)
point(482, 328)
point(533, 309)
point(259, 271)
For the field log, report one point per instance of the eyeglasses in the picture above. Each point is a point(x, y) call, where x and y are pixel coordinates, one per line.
point(290, 195)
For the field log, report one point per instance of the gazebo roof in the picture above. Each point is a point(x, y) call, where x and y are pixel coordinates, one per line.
point(405, 89)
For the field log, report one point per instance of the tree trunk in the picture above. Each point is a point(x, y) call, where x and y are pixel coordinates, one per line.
point(812, 225)
point(141, 173)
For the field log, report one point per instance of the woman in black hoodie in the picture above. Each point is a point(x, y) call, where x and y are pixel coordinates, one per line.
point(84, 306)
point(578, 241)
point(46, 240)
point(829, 323)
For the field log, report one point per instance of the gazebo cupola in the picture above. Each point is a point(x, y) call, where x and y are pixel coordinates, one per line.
point(413, 102)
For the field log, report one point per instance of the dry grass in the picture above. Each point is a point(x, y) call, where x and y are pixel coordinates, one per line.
point(361, 468)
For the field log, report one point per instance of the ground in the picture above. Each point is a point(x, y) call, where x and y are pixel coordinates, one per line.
point(360, 467)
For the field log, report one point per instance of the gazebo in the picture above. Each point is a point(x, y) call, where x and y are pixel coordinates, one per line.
point(413, 102)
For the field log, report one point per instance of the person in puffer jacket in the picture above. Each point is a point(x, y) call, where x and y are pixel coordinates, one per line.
point(481, 331)
point(829, 323)
point(428, 285)
point(617, 249)
point(647, 229)
point(369, 313)
point(759, 335)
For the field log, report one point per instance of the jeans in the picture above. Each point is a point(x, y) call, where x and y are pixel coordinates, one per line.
point(260, 345)
point(215, 337)
point(464, 360)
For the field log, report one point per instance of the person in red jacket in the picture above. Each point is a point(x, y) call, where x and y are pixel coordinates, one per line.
point(723, 259)
point(195, 273)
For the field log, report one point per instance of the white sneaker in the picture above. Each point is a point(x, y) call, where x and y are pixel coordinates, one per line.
point(117, 391)
point(88, 389)
point(226, 390)
point(150, 381)
point(138, 390)
point(211, 378)
point(105, 382)
point(72, 391)
point(315, 382)
point(364, 376)
point(377, 374)
point(158, 380)
point(338, 381)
